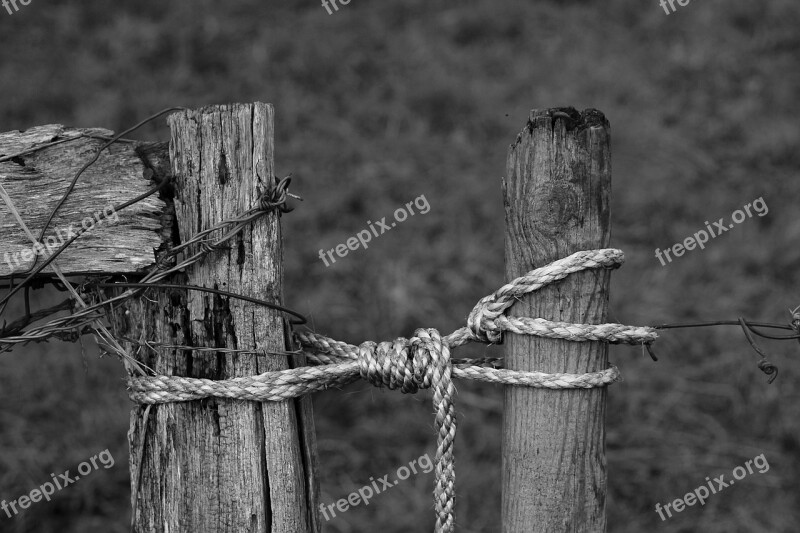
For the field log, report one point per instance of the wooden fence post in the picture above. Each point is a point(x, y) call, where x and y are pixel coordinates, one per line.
point(220, 465)
point(556, 196)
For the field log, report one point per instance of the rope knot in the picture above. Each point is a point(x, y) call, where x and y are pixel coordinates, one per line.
point(405, 364)
point(486, 322)
point(481, 320)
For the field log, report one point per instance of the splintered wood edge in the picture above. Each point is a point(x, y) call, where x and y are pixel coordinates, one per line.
point(35, 181)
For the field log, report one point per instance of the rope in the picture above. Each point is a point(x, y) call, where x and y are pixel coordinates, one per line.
point(422, 362)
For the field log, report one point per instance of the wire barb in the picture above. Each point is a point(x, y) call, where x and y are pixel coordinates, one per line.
point(78, 323)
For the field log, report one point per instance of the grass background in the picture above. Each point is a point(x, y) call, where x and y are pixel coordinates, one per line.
point(384, 101)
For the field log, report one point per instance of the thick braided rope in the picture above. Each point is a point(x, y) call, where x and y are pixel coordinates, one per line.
point(422, 362)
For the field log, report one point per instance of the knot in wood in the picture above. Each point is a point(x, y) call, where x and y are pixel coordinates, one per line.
point(405, 364)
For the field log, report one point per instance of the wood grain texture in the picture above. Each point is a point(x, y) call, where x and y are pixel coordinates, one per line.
point(221, 465)
point(36, 181)
point(556, 197)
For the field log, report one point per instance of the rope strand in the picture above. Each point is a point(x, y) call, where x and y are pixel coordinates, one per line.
point(422, 362)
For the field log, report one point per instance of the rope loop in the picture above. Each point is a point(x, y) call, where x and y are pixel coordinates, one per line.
point(481, 320)
point(405, 364)
point(486, 322)
point(423, 361)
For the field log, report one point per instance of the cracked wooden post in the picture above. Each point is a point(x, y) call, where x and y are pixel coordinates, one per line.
point(556, 197)
point(220, 465)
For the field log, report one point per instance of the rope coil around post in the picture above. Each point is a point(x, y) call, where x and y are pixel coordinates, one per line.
point(423, 362)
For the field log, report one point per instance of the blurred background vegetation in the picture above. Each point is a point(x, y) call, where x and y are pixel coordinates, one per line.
point(384, 101)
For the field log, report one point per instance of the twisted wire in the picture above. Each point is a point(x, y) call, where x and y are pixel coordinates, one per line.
point(270, 200)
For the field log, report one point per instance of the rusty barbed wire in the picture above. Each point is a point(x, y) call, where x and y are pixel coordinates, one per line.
point(271, 200)
point(81, 321)
point(109, 141)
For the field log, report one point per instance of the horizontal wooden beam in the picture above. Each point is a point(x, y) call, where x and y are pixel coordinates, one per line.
point(35, 180)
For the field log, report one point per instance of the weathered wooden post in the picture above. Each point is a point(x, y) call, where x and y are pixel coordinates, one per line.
point(220, 465)
point(556, 196)
point(217, 466)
